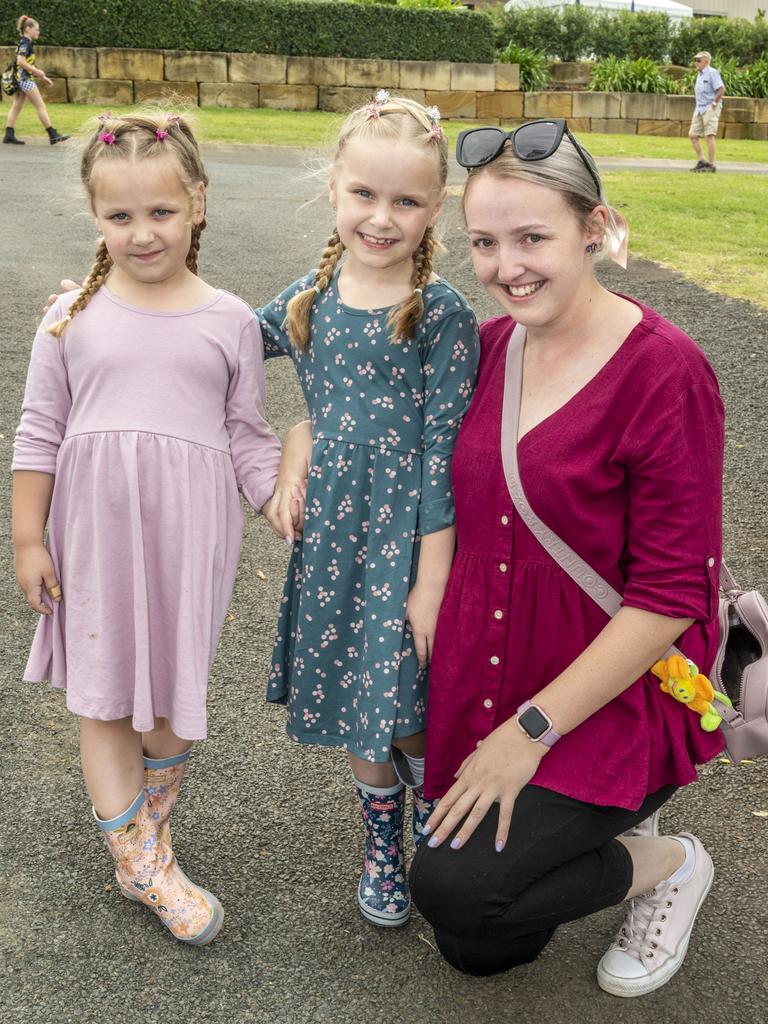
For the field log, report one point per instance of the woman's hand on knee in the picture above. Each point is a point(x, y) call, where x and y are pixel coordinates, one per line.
point(494, 773)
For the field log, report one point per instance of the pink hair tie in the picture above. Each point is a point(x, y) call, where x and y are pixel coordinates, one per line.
point(436, 133)
point(161, 134)
point(108, 138)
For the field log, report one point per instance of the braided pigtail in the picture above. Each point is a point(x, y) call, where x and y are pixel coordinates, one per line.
point(405, 318)
point(300, 306)
point(93, 282)
point(194, 245)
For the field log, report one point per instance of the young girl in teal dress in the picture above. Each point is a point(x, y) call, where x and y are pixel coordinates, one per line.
point(386, 353)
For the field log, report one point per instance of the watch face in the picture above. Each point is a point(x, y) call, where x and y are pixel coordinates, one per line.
point(534, 723)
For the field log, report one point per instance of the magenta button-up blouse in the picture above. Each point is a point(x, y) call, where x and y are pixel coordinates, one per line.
point(629, 473)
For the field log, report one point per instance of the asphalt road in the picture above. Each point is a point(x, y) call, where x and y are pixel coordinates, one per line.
point(270, 827)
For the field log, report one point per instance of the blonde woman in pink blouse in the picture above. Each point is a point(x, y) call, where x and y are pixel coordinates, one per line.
point(551, 746)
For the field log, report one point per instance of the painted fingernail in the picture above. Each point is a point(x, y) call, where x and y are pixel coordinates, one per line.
point(432, 842)
point(455, 843)
point(499, 846)
point(287, 541)
point(426, 830)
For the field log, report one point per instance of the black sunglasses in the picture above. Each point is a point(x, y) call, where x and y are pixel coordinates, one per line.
point(535, 140)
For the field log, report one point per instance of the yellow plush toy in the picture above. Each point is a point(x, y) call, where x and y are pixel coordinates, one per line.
point(682, 680)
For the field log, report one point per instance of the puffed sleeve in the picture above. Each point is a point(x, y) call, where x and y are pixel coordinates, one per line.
point(674, 520)
point(47, 401)
point(272, 318)
point(450, 369)
point(255, 449)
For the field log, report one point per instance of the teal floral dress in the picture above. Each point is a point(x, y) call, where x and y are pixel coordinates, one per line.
point(384, 420)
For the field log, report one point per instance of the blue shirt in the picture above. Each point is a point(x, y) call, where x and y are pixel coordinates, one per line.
point(708, 81)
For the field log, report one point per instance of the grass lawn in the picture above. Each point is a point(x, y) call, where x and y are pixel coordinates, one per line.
point(316, 128)
point(664, 210)
point(716, 236)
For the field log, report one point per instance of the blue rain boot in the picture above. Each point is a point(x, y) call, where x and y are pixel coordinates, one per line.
point(422, 811)
point(383, 894)
point(410, 771)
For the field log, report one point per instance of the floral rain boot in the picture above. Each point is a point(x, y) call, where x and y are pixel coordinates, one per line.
point(410, 771)
point(422, 811)
point(147, 872)
point(162, 781)
point(383, 894)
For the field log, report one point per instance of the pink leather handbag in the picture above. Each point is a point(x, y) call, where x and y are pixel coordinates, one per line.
point(741, 665)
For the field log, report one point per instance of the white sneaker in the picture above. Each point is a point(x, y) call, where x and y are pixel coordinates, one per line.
point(651, 944)
point(647, 827)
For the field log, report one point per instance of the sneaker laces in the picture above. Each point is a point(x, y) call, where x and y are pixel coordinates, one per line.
point(642, 920)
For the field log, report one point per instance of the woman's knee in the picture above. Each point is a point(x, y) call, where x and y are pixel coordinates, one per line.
point(482, 957)
point(448, 893)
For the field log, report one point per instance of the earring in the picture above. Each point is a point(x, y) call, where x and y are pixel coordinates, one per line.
point(593, 247)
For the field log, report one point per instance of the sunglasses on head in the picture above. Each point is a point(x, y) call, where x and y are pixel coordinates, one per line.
point(533, 141)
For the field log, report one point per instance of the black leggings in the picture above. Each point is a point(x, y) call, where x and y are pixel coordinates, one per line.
point(493, 911)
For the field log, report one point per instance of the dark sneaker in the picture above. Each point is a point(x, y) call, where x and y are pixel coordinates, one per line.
point(699, 165)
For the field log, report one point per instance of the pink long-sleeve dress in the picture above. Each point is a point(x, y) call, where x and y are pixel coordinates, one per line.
point(151, 423)
point(629, 473)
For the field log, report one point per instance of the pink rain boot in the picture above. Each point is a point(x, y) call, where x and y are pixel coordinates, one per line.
point(147, 872)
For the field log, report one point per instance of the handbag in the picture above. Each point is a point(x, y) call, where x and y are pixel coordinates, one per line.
point(9, 80)
point(741, 664)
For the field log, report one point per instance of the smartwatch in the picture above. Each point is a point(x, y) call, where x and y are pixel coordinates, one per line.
point(536, 724)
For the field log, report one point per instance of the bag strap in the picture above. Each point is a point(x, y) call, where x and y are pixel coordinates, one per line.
point(601, 592)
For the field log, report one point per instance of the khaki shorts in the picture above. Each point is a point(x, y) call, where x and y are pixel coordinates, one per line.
point(706, 123)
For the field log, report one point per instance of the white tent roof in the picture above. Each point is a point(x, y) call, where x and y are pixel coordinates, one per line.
point(675, 10)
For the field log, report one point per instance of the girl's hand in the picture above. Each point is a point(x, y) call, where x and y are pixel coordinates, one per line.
point(421, 610)
point(504, 762)
point(47, 81)
point(66, 286)
point(35, 573)
point(284, 511)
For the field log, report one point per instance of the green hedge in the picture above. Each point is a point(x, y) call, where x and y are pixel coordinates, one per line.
point(294, 27)
point(578, 33)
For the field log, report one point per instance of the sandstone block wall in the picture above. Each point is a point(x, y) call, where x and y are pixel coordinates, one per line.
point(487, 92)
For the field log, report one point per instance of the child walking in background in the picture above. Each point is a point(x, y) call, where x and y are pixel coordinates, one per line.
point(26, 73)
point(141, 419)
point(386, 354)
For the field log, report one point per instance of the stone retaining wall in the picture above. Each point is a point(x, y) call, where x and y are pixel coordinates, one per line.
point(486, 92)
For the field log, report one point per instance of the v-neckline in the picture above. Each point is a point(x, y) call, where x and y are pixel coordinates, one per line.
point(587, 385)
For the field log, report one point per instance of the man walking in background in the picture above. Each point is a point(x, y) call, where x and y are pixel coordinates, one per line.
point(709, 102)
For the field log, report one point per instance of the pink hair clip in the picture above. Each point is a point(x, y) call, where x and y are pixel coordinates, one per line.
point(161, 134)
point(373, 110)
point(106, 116)
point(435, 133)
point(108, 138)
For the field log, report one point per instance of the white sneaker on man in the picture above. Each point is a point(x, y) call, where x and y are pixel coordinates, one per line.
point(651, 944)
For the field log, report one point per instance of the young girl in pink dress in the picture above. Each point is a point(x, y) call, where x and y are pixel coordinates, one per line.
point(549, 742)
point(142, 422)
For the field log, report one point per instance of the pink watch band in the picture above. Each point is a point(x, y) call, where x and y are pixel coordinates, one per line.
point(550, 737)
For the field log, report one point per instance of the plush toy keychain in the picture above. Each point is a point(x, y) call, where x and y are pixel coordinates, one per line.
point(681, 679)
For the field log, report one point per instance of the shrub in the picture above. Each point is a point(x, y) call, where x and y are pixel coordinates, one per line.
point(610, 36)
point(294, 27)
point(728, 37)
point(576, 28)
point(620, 74)
point(534, 66)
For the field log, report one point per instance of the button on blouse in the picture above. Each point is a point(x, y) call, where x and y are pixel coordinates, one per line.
point(630, 479)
